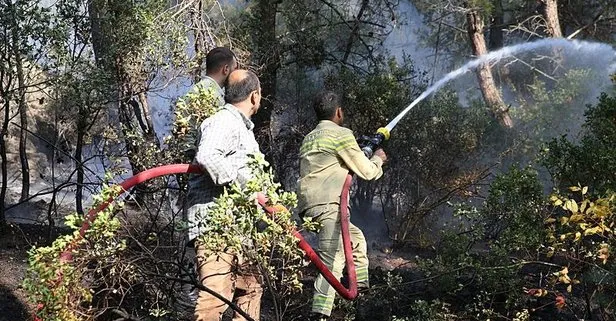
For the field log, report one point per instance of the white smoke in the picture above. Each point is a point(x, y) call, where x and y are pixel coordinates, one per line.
point(576, 45)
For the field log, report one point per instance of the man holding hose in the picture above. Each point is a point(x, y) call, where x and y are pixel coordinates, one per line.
point(327, 155)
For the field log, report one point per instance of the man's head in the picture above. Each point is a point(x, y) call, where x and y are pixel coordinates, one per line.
point(220, 62)
point(243, 90)
point(328, 107)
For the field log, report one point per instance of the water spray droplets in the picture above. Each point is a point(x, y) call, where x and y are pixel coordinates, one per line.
point(508, 51)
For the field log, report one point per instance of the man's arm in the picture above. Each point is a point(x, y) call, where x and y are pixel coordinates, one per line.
point(217, 141)
point(356, 161)
point(244, 174)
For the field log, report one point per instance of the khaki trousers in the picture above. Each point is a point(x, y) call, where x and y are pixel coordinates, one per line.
point(227, 275)
point(331, 252)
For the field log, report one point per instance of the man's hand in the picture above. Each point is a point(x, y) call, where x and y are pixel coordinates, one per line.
point(380, 154)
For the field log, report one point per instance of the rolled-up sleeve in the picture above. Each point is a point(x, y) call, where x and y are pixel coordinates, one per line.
point(217, 142)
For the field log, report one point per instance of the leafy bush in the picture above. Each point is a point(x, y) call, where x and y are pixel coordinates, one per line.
point(581, 236)
point(524, 254)
point(513, 211)
point(479, 263)
point(130, 265)
point(429, 311)
point(114, 272)
point(63, 290)
point(592, 161)
point(190, 111)
point(234, 222)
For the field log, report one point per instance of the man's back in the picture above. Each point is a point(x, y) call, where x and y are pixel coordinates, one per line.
point(327, 155)
point(225, 142)
point(208, 83)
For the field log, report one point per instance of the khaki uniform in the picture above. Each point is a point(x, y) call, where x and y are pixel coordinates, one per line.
point(327, 155)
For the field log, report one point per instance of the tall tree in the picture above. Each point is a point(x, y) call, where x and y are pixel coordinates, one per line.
point(490, 93)
point(15, 43)
point(3, 147)
point(199, 36)
point(466, 20)
point(6, 83)
point(119, 32)
point(267, 57)
point(552, 22)
point(26, 33)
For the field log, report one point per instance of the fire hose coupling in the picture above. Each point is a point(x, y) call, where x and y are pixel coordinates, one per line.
point(370, 143)
point(384, 131)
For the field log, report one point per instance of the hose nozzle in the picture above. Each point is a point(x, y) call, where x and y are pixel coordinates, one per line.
point(384, 131)
point(370, 143)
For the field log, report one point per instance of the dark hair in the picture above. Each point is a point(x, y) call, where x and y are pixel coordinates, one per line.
point(217, 58)
point(238, 91)
point(325, 105)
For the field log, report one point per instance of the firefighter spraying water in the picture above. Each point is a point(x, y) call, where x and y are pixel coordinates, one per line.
point(363, 157)
point(369, 143)
point(329, 155)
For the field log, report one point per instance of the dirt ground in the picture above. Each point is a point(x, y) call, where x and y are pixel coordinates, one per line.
point(15, 241)
point(13, 248)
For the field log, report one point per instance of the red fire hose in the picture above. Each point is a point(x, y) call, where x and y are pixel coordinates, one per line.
point(349, 294)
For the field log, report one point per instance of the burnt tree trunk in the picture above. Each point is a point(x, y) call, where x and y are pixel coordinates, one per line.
point(550, 14)
point(136, 122)
point(129, 86)
point(144, 117)
point(354, 31)
point(134, 105)
point(22, 105)
point(490, 93)
point(496, 26)
point(3, 150)
point(81, 132)
point(267, 56)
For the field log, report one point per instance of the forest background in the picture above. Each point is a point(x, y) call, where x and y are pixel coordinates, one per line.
point(498, 198)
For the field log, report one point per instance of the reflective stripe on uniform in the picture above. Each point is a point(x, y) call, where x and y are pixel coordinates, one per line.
point(321, 143)
point(345, 143)
point(362, 275)
point(323, 304)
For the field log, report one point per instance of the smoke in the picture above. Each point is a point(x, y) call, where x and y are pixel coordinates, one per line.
point(547, 85)
point(162, 102)
point(509, 51)
point(525, 61)
point(405, 40)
